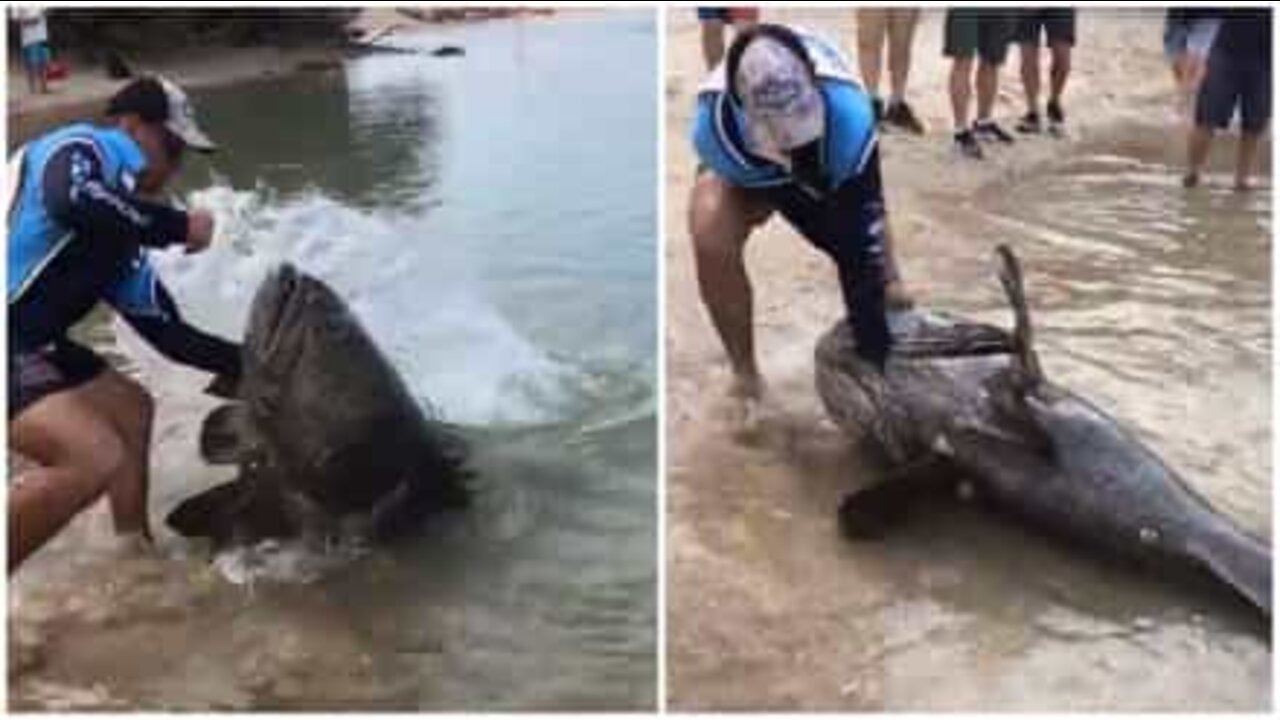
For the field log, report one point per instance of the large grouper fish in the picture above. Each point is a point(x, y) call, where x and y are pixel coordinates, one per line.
point(963, 400)
point(326, 434)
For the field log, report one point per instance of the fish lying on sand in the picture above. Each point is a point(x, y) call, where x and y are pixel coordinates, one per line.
point(966, 399)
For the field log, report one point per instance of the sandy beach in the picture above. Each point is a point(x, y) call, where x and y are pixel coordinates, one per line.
point(768, 608)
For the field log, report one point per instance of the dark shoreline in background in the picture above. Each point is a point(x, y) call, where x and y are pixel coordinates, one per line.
point(220, 63)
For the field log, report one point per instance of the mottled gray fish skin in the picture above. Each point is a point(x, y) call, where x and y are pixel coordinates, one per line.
point(971, 398)
point(324, 430)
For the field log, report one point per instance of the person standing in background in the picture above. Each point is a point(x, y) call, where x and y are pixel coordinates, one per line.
point(898, 27)
point(1238, 76)
point(713, 21)
point(34, 31)
point(1188, 37)
point(1059, 28)
point(983, 32)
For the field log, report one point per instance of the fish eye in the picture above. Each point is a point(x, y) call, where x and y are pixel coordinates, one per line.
point(335, 326)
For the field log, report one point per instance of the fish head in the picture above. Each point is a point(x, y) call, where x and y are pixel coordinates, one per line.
point(294, 314)
point(316, 387)
point(851, 389)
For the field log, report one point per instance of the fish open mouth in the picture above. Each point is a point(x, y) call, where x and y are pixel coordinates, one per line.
point(274, 311)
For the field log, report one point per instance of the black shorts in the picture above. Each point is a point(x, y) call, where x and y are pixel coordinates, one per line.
point(60, 365)
point(1233, 81)
point(1059, 24)
point(985, 32)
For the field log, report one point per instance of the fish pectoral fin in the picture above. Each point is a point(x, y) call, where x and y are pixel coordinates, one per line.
point(870, 513)
point(1019, 413)
point(248, 508)
point(223, 439)
point(441, 481)
point(209, 513)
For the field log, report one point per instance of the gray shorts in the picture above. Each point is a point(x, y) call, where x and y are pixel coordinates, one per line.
point(985, 32)
point(1194, 37)
point(61, 365)
point(1057, 24)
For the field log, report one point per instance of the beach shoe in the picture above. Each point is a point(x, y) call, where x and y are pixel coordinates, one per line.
point(967, 145)
point(877, 107)
point(1057, 120)
point(1029, 123)
point(901, 115)
point(991, 131)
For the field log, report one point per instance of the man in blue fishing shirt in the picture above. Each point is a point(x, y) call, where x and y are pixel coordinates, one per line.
point(782, 125)
point(81, 220)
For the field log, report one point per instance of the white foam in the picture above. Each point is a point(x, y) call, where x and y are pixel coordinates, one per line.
point(291, 562)
point(417, 294)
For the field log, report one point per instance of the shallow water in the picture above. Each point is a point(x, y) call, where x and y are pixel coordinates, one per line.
point(1155, 303)
point(490, 218)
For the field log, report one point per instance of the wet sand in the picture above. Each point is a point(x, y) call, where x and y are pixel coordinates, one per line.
point(769, 609)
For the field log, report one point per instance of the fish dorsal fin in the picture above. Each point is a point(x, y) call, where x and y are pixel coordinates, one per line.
point(1010, 273)
point(209, 513)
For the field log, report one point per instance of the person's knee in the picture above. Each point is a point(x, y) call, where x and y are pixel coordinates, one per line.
point(99, 458)
point(870, 41)
point(1061, 55)
point(128, 404)
point(962, 76)
point(718, 224)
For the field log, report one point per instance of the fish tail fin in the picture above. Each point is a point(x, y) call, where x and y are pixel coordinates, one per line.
point(440, 482)
point(1010, 273)
point(1241, 561)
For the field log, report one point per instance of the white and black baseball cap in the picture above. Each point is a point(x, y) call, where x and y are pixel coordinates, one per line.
point(773, 80)
point(158, 100)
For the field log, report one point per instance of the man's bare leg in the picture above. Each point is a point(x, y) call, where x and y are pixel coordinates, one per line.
point(1059, 70)
point(872, 26)
point(712, 42)
point(1029, 54)
point(1246, 158)
point(1197, 153)
point(902, 30)
point(80, 454)
point(985, 84)
point(1194, 68)
point(130, 409)
point(960, 85)
point(720, 219)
